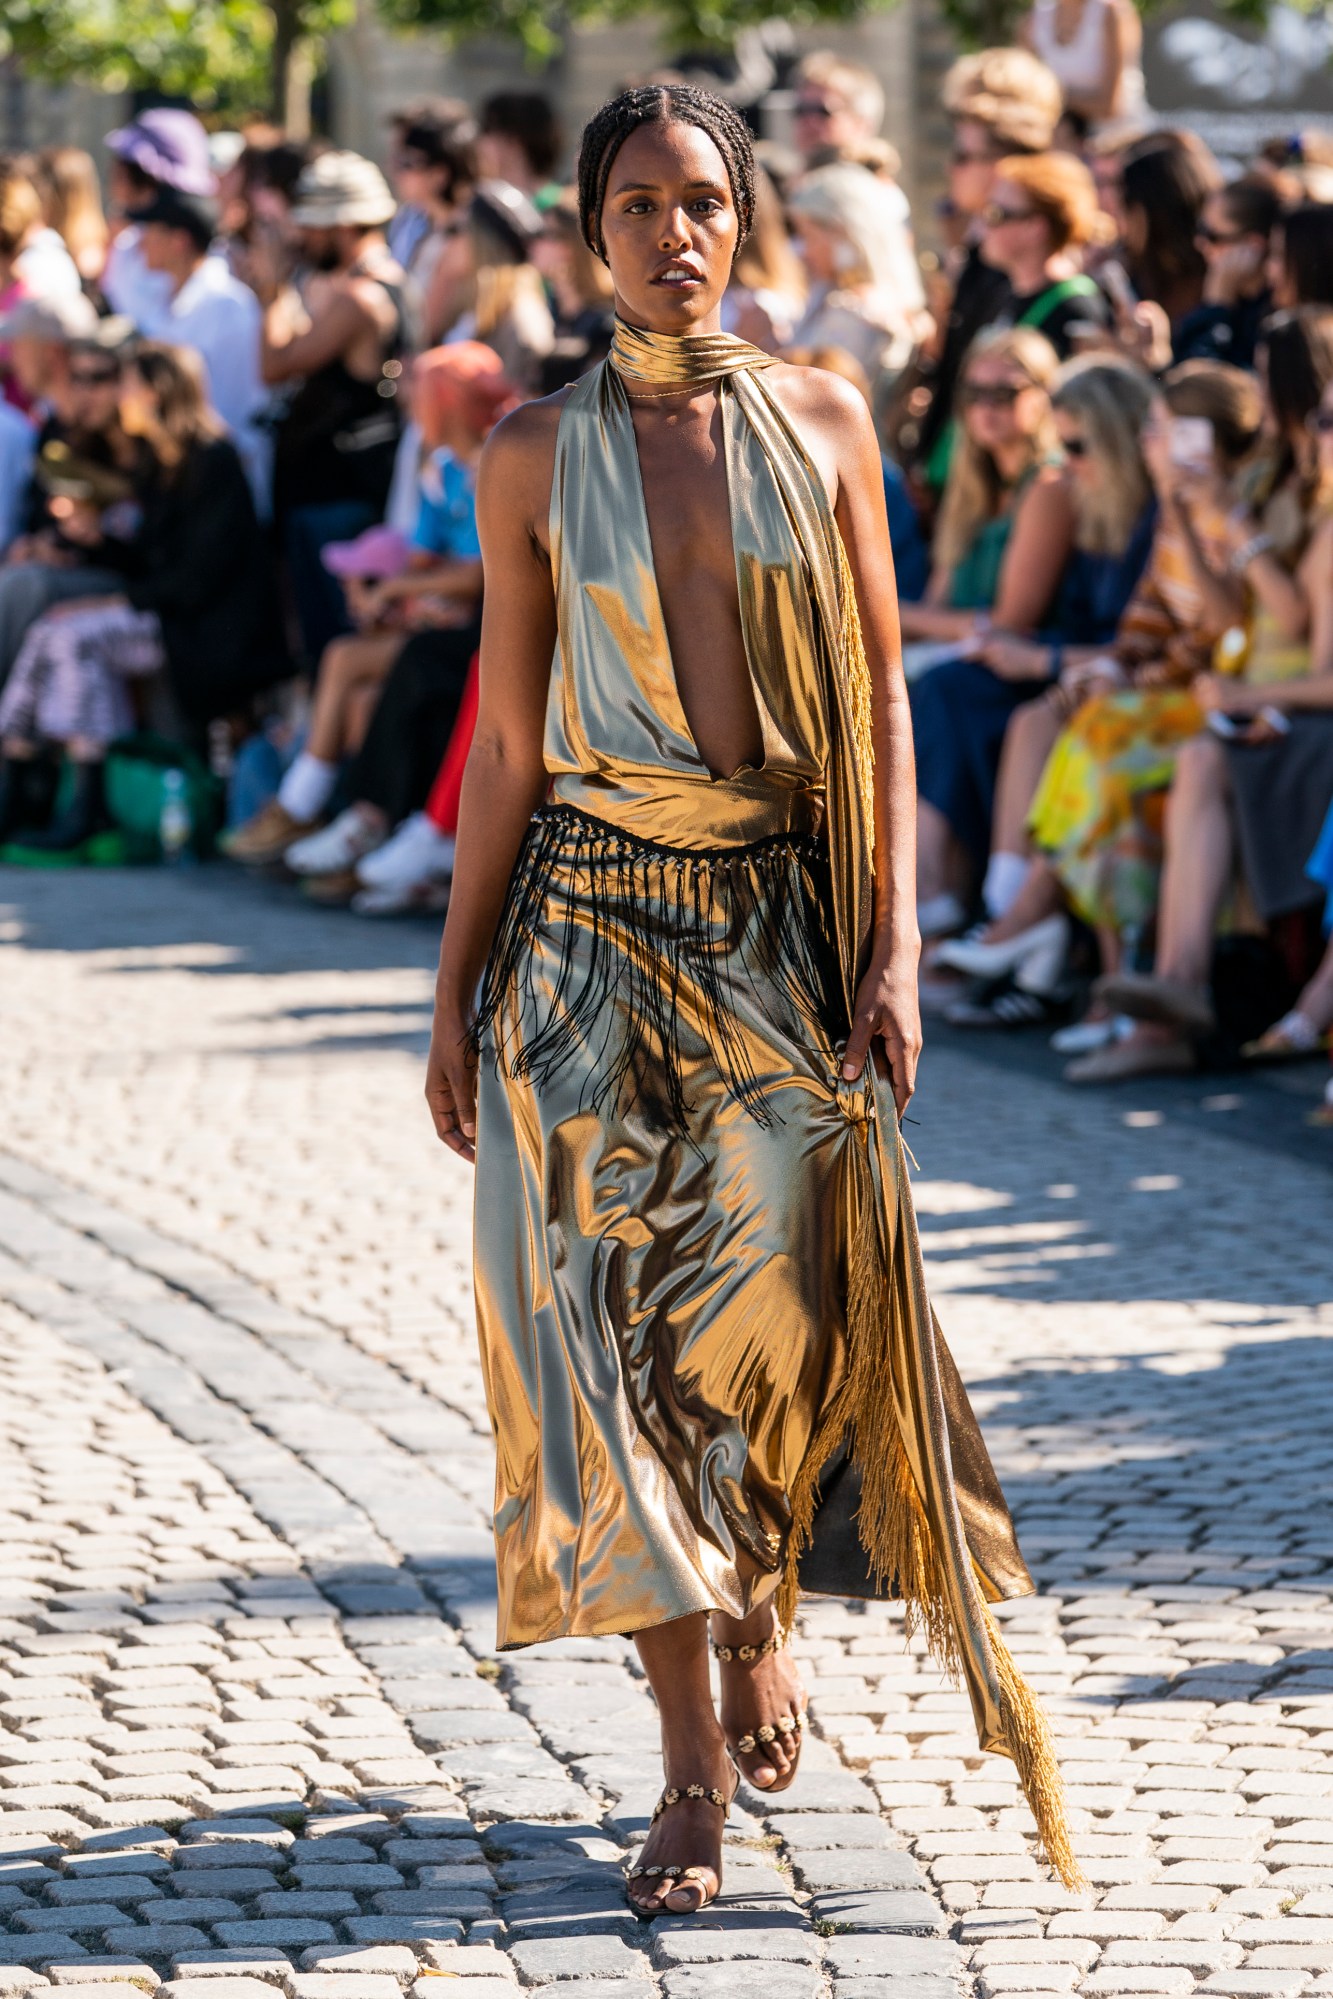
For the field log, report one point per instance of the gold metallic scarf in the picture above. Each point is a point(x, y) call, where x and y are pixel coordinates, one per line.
point(932, 1519)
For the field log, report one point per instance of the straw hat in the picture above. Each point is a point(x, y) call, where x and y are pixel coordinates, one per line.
point(341, 190)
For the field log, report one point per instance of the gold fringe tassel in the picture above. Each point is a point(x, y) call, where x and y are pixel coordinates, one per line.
point(1027, 1739)
point(857, 669)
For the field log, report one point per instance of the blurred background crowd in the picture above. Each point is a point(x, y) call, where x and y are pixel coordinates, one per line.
point(246, 382)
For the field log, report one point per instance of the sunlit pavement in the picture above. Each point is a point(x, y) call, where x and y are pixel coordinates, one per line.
point(251, 1722)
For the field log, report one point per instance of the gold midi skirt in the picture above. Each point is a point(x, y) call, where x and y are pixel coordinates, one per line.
point(660, 1263)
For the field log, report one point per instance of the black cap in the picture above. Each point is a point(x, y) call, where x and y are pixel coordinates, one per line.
point(194, 213)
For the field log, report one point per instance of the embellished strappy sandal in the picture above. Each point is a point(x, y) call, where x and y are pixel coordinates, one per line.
point(787, 1728)
point(677, 1875)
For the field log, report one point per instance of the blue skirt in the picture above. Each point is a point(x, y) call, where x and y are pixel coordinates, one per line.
point(960, 711)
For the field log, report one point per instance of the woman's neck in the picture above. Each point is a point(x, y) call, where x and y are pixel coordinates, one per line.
point(1035, 273)
point(1012, 460)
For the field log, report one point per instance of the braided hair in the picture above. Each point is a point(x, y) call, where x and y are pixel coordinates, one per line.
point(662, 104)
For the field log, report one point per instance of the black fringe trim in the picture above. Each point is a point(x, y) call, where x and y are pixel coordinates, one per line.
point(646, 911)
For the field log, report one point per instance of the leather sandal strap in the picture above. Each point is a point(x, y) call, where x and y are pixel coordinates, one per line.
point(786, 1726)
point(745, 1655)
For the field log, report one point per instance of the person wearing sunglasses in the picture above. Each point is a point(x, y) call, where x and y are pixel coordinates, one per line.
point(839, 107)
point(1004, 533)
point(1234, 235)
point(1001, 102)
point(1043, 213)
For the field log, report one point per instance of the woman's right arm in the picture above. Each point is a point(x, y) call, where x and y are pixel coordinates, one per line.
point(505, 777)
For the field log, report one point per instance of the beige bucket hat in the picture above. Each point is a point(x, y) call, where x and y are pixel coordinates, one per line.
point(341, 189)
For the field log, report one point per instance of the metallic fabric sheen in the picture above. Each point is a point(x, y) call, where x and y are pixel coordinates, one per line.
point(698, 1274)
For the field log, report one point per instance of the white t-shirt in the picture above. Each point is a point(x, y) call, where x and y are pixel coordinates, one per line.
point(220, 318)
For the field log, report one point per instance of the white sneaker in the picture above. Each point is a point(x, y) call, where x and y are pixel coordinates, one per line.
point(1085, 1037)
point(1040, 942)
point(417, 852)
point(336, 848)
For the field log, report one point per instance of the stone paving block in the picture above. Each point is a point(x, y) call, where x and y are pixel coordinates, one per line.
point(1131, 1979)
point(872, 1956)
point(154, 1939)
point(906, 1985)
point(284, 1933)
point(266, 1965)
point(106, 1971)
point(1000, 1980)
point(826, 1831)
point(908, 1910)
point(545, 1961)
point(856, 1868)
point(403, 1929)
point(40, 1950)
point(86, 1916)
point(1255, 1984)
point(388, 1960)
point(235, 1986)
point(341, 1985)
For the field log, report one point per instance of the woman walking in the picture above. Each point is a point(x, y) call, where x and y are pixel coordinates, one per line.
point(699, 1289)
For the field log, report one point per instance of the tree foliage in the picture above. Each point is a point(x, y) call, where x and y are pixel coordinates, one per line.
point(219, 53)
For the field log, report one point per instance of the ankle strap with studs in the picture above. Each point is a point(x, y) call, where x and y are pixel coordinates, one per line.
point(745, 1655)
point(674, 1794)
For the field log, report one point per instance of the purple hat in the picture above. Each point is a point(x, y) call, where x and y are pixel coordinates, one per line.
point(169, 146)
point(377, 553)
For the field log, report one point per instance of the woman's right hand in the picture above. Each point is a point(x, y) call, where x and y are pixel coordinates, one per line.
point(451, 1081)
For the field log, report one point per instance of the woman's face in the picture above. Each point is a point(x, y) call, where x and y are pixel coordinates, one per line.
point(971, 166)
point(1224, 246)
point(138, 404)
point(1080, 455)
point(823, 249)
point(1000, 404)
point(1016, 231)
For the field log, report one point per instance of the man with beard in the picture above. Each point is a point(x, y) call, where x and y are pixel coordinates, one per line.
point(337, 341)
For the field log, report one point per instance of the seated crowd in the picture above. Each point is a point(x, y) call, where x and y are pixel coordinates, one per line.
point(240, 427)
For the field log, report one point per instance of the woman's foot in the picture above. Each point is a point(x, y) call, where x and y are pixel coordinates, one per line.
point(264, 839)
point(763, 1701)
point(679, 1870)
point(1035, 955)
point(336, 849)
point(1287, 1040)
point(1149, 1051)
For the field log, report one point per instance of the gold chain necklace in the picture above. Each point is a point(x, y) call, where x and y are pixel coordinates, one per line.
point(676, 389)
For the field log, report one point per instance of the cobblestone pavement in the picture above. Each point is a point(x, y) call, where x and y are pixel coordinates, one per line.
point(252, 1725)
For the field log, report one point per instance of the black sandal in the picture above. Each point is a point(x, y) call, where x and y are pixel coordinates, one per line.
point(790, 1727)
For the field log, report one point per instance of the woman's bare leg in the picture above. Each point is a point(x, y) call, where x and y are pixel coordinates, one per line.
point(1040, 896)
point(1028, 742)
point(347, 663)
point(688, 1834)
point(1196, 871)
point(937, 869)
point(1316, 1002)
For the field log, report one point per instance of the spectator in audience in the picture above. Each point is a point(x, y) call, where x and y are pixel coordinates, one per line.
point(159, 149)
point(839, 107)
point(508, 308)
point(39, 265)
point(1165, 182)
point(865, 295)
point(17, 446)
point(66, 180)
point(1305, 1028)
point(72, 381)
point(212, 313)
point(459, 394)
point(1004, 535)
point(1100, 406)
point(1095, 49)
point(1300, 270)
point(341, 345)
point(518, 142)
point(414, 867)
point(1042, 213)
point(578, 282)
point(768, 288)
point(1234, 235)
point(434, 171)
point(1252, 795)
point(191, 600)
point(1001, 102)
point(911, 560)
point(1096, 816)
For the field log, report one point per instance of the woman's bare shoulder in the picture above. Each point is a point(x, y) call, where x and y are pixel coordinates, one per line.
point(519, 459)
point(820, 397)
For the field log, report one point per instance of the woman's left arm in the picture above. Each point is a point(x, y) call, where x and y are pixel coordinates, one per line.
point(887, 1005)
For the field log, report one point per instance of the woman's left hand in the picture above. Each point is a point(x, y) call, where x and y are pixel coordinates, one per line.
point(1223, 694)
point(888, 1006)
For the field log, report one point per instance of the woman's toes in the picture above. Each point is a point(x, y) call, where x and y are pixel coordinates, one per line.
point(763, 1775)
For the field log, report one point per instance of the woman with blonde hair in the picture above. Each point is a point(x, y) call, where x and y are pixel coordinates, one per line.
point(768, 287)
point(1005, 530)
point(855, 236)
point(1042, 214)
point(71, 197)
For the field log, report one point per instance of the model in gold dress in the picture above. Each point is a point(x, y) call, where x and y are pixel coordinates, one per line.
point(684, 890)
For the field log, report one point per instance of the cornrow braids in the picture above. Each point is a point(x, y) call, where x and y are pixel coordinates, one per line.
point(662, 104)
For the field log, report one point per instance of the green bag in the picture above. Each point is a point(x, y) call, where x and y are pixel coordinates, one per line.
point(136, 768)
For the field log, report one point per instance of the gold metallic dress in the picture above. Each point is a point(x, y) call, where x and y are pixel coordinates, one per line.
point(712, 1368)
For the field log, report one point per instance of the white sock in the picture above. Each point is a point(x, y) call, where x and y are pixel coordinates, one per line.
point(1005, 876)
point(307, 787)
